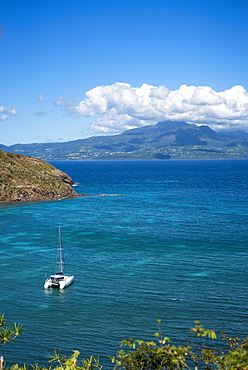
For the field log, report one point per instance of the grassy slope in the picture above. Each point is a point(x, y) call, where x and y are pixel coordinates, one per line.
point(25, 178)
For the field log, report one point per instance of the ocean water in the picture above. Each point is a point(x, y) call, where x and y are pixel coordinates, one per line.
point(151, 240)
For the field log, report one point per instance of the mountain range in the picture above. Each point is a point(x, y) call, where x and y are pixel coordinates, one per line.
point(165, 140)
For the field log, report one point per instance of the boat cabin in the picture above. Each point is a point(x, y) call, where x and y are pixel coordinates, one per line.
point(56, 278)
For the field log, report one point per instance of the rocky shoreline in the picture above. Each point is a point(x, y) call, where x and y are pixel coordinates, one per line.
point(24, 179)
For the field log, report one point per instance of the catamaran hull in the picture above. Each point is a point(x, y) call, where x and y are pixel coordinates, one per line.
point(67, 280)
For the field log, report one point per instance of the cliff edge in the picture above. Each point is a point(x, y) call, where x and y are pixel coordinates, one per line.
point(30, 179)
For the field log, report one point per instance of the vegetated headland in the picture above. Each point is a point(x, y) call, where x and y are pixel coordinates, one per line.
point(25, 178)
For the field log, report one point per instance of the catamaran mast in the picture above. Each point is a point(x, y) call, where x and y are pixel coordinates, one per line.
point(61, 262)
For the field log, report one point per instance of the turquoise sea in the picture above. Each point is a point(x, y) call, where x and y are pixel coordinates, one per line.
point(151, 240)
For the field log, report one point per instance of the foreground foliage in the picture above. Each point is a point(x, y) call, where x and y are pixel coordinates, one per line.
point(162, 354)
point(8, 332)
point(199, 352)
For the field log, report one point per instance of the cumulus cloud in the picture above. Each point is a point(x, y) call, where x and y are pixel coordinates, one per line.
point(120, 106)
point(7, 112)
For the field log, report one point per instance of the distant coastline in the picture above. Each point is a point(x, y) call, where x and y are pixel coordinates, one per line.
point(164, 141)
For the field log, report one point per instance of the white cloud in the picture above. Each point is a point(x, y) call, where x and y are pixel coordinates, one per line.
point(40, 113)
point(64, 102)
point(42, 97)
point(120, 106)
point(7, 112)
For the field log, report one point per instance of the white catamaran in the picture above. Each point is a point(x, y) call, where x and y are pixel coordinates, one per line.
point(59, 279)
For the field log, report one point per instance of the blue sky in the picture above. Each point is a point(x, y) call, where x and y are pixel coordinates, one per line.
point(71, 69)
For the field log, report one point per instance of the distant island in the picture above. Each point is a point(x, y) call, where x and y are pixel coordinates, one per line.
point(165, 140)
point(30, 179)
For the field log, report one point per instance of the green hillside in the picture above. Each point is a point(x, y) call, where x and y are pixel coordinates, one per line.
point(29, 179)
point(165, 140)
